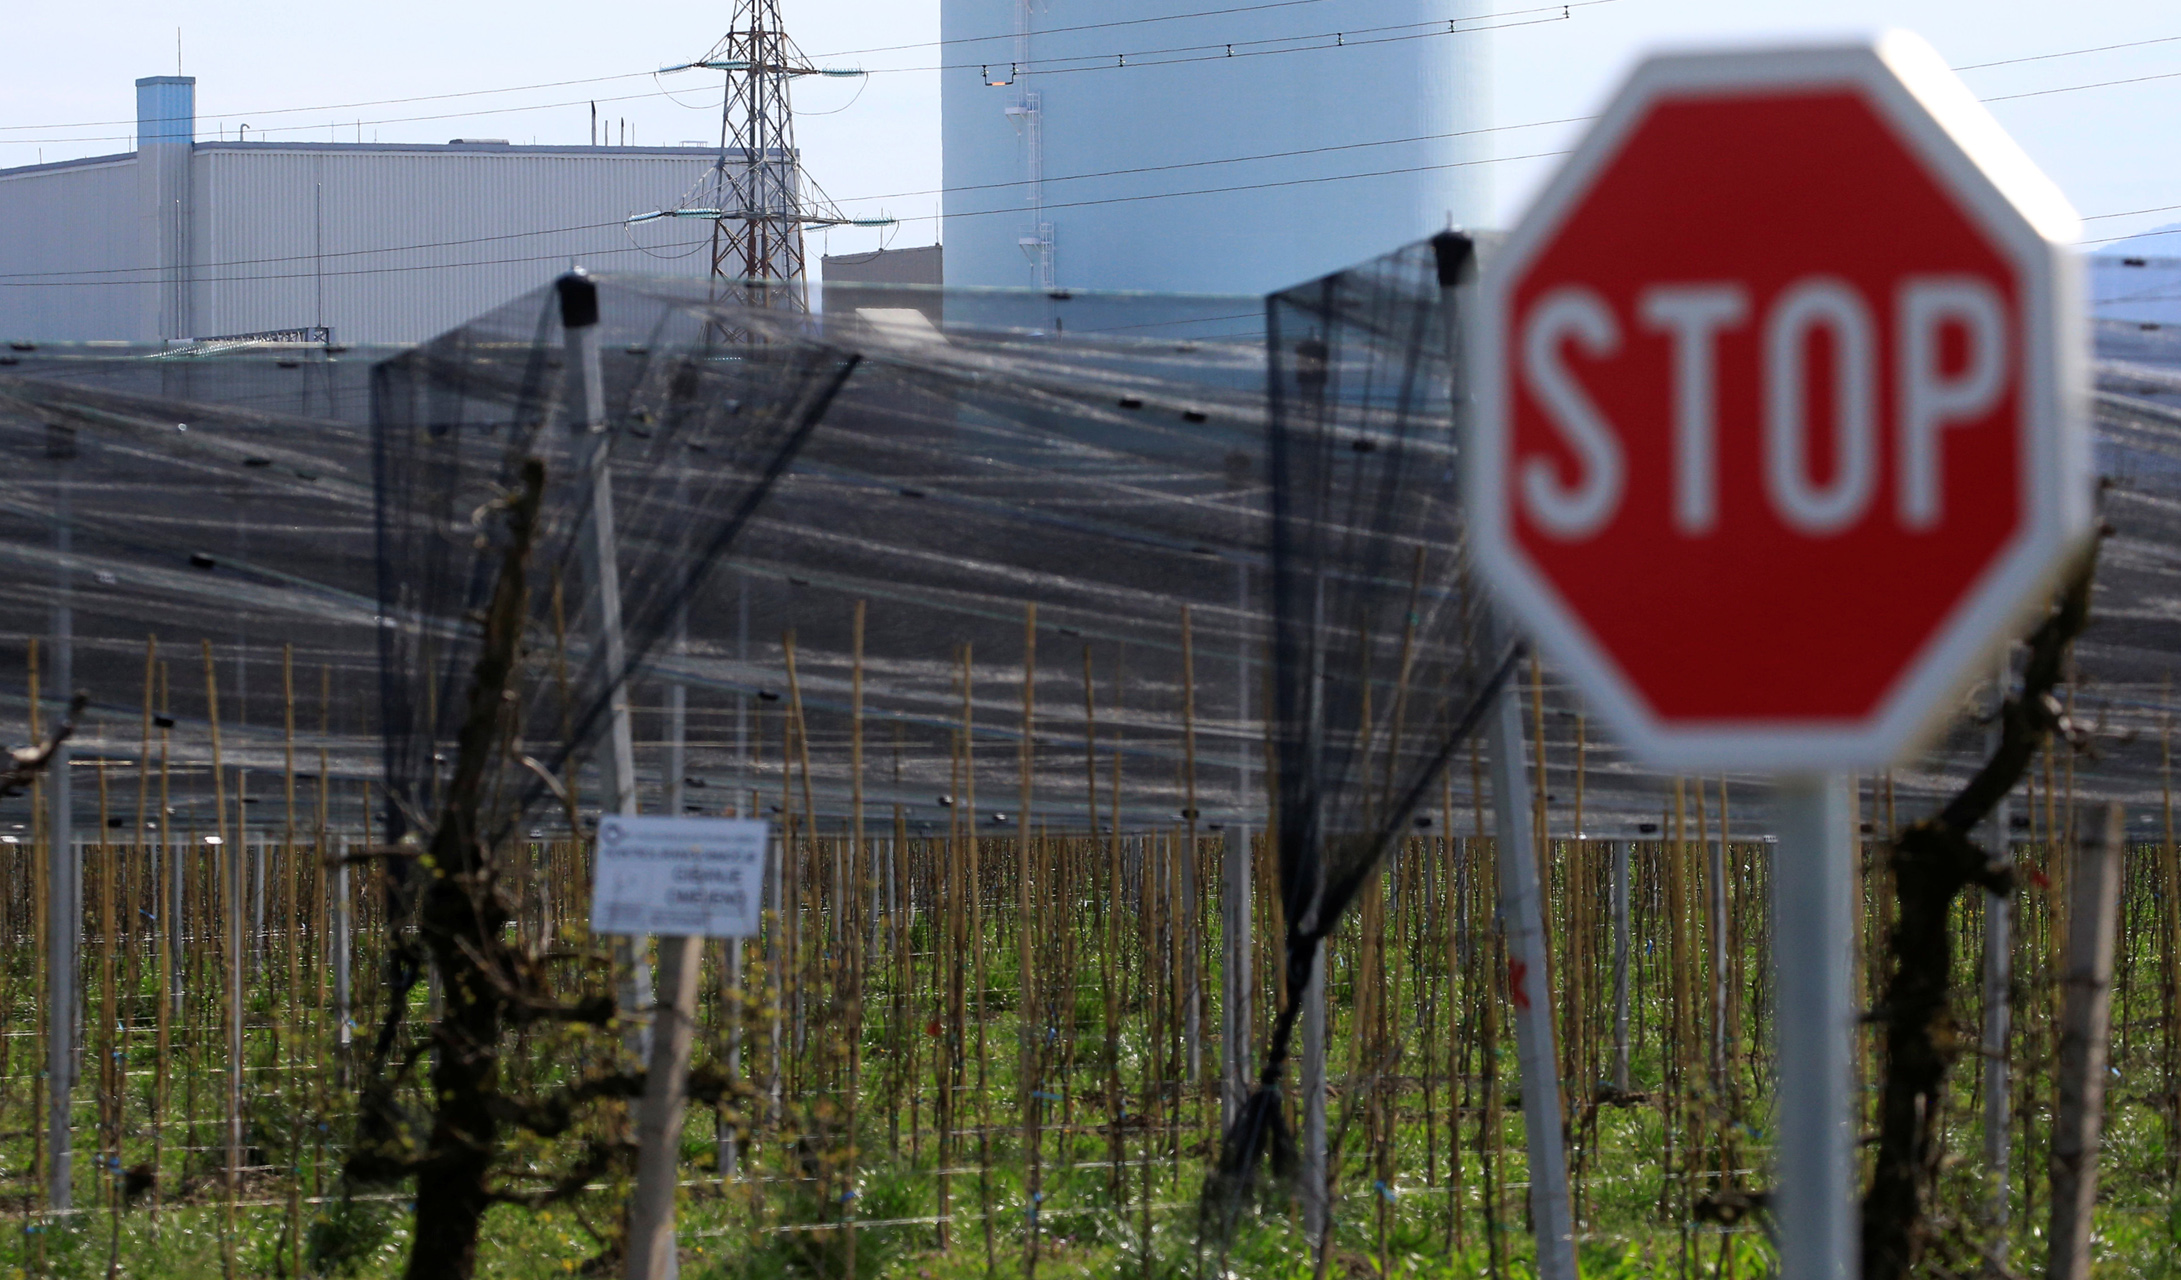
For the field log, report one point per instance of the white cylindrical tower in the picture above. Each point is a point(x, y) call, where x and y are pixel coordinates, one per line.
point(1158, 144)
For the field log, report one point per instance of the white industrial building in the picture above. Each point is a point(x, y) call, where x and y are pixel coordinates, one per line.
point(377, 243)
point(1149, 144)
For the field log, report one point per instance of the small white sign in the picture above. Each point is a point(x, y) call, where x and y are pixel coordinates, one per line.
point(679, 877)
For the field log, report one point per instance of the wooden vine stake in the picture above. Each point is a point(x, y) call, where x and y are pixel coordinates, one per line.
point(1026, 1000)
point(110, 1077)
point(2169, 948)
point(854, 940)
point(290, 927)
point(227, 859)
point(154, 868)
point(41, 983)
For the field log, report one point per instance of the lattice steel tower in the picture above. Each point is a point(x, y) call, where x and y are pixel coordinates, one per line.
point(756, 194)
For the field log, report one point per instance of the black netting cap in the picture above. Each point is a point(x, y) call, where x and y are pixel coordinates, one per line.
point(1456, 252)
point(578, 300)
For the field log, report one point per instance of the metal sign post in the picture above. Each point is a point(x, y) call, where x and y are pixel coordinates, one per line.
point(685, 879)
point(1813, 888)
point(1779, 431)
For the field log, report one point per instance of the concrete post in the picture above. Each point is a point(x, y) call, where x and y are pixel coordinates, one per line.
point(1522, 918)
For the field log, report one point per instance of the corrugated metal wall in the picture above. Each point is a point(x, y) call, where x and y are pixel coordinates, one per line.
point(69, 251)
point(394, 244)
point(380, 243)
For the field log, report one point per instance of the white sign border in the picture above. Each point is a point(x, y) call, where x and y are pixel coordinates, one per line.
point(2027, 219)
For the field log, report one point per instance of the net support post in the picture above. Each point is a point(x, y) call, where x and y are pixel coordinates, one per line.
point(1522, 920)
point(235, 876)
point(64, 887)
point(1316, 1210)
point(1235, 989)
point(1620, 965)
point(1521, 907)
point(599, 549)
point(344, 1015)
point(651, 1252)
point(727, 1138)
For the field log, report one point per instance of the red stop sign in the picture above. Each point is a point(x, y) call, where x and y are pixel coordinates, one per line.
point(1780, 392)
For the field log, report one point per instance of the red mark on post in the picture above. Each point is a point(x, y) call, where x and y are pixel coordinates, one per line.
point(1518, 975)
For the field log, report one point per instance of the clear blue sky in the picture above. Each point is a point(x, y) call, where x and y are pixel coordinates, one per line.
point(66, 72)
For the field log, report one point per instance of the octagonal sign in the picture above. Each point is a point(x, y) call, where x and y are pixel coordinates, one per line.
point(1780, 405)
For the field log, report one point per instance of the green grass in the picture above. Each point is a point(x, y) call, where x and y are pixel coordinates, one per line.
point(1635, 1221)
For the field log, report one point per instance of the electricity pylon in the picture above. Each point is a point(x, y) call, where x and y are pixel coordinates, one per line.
point(756, 194)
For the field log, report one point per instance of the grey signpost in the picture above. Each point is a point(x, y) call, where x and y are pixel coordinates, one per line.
point(1641, 466)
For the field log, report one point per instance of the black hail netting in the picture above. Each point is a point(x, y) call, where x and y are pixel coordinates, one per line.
point(1379, 669)
point(1106, 457)
point(1066, 542)
point(1113, 483)
point(1378, 672)
point(220, 502)
point(694, 432)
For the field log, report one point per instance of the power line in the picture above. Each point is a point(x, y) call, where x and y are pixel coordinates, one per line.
point(22, 282)
point(1275, 4)
point(19, 282)
point(1121, 63)
point(2133, 235)
point(9, 283)
point(75, 275)
point(1087, 26)
point(35, 279)
point(1202, 164)
point(1202, 53)
point(2164, 208)
point(38, 280)
point(350, 106)
point(1436, 27)
point(2069, 53)
point(925, 44)
point(2075, 88)
point(1442, 136)
point(313, 257)
point(1175, 17)
point(546, 106)
point(347, 124)
point(1119, 59)
point(1263, 186)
